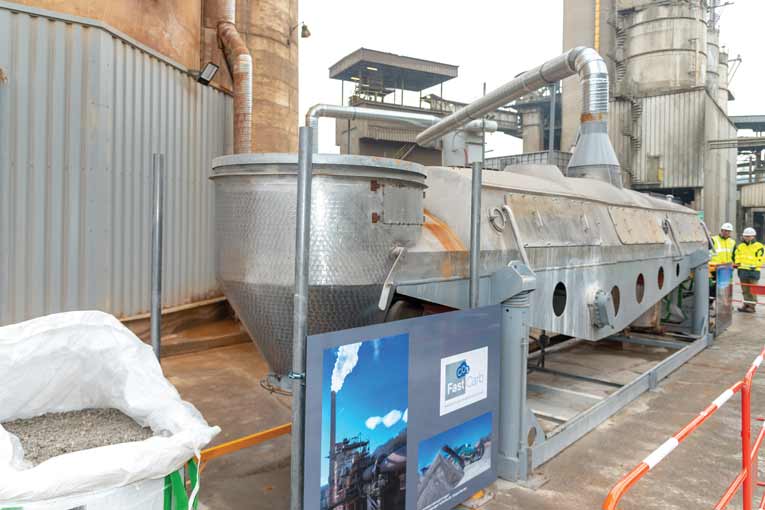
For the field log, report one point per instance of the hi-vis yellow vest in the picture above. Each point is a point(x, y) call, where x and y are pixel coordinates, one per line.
point(749, 256)
point(722, 251)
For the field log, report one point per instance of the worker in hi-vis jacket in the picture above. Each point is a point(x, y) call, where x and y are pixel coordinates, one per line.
point(720, 253)
point(748, 257)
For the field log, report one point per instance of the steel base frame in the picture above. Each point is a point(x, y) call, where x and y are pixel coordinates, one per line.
point(524, 445)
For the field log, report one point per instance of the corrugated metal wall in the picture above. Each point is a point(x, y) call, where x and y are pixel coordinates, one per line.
point(669, 133)
point(719, 194)
point(753, 195)
point(81, 112)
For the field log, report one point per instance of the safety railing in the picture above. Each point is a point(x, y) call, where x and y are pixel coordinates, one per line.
point(746, 478)
point(756, 289)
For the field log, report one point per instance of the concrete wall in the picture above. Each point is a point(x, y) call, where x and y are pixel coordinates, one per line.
point(185, 32)
point(170, 27)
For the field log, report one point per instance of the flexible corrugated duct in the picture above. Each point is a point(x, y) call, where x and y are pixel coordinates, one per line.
point(594, 156)
point(240, 63)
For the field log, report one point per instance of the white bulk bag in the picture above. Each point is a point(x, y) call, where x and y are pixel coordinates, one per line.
point(80, 360)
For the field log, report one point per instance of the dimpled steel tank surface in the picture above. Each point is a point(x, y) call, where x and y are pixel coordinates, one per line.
point(362, 209)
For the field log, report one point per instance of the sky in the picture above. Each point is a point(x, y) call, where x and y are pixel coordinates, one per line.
point(491, 41)
point(467, 433)
point(372, 387)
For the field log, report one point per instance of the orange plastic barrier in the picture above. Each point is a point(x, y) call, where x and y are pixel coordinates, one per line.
point(746, 478)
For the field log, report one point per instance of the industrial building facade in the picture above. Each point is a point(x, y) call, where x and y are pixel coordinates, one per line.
point(669, 96)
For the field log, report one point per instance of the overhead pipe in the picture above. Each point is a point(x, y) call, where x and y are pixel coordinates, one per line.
point(585, 62)
point(240, 64)
point(594, 156)
point(418, 120)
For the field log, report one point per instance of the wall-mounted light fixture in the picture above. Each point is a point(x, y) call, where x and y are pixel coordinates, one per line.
point(207, 73)
point(304, 32)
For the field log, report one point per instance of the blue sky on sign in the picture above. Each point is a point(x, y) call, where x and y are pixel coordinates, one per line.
point(372, 399)
point(469, 432)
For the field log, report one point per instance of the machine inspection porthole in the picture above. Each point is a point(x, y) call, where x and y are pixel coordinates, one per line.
point(559, 299)
point(660, 278)
point(616, 298)
point(640, 288)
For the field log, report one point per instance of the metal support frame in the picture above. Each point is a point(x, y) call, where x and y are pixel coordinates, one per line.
point(577, 427)
point(158, 192)
point(300, 313)
point(512, 459)
point(551, 120)
point(523, 445)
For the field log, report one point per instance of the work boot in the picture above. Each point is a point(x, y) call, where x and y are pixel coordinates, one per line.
point(743, 309)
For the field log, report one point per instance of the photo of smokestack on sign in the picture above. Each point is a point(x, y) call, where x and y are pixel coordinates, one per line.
point(364, 420)
point(452, 458)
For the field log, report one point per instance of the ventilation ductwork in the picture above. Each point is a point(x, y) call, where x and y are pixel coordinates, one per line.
point(594, 156)
point(240, 64)
point(418, 120)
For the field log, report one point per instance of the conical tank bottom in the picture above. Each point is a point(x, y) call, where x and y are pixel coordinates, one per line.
point(362, 209)
point(267, 313)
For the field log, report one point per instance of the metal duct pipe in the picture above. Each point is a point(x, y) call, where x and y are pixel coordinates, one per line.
point(585, 62)
point(240, 64)
point(420, 120)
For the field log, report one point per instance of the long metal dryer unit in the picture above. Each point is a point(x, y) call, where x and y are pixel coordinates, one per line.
point(576, 255)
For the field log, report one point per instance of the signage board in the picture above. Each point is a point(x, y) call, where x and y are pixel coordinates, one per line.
point(403, 415)
point(723, 297)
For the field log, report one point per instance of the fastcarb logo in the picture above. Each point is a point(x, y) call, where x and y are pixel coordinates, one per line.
point(455, 379)
point(463, 379)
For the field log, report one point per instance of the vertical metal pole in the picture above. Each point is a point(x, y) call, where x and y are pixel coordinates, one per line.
point(746, 444)
point(158, 191)
point(475, 235)
point(483, 135)
point(300, 313)
point(551, 136)
point(349, 136)
point(513, 449)
point(701, 300)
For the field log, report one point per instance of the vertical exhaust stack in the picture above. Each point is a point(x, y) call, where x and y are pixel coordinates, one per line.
point(594, 157)
point(332, 441)
point(240, 64)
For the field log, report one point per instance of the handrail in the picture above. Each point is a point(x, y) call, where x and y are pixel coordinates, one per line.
point(746, 478)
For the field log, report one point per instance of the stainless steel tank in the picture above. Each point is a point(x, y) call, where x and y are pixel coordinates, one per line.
point(362, 209)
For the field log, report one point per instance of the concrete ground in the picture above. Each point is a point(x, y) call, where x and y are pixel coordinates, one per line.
point(225, 385)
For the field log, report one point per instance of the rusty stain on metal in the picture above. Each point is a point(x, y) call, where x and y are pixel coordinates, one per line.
point(3, 76)
point(443, 233)
point(374, 185)
point(375, 217)
point(448, 239)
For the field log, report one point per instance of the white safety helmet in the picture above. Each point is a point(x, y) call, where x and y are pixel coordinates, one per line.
point(727, 226)
point(749, 231)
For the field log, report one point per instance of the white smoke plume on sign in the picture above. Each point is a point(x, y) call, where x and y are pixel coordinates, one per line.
point(347, 357)
point(406, 415)
point(388, 420)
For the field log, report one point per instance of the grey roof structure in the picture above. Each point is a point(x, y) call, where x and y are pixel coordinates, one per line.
point(753, 122)
point(391, 71)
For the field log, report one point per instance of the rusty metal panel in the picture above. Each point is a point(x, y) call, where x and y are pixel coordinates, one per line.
point(555, 221)
point(81, 112)
point(687, 228)
point(637, 226)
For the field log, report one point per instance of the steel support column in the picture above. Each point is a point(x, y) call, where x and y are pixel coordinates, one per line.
point(513, 458)
point(300, 313)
